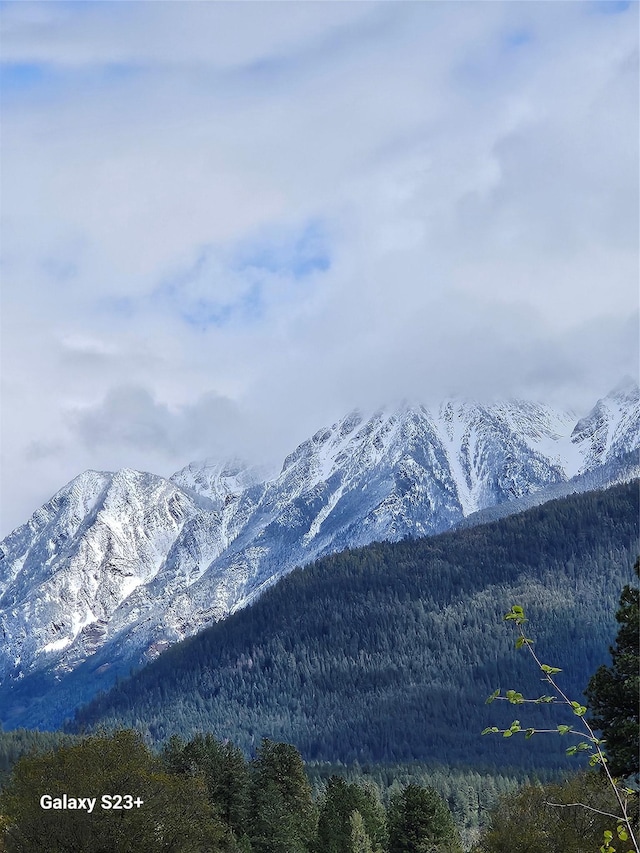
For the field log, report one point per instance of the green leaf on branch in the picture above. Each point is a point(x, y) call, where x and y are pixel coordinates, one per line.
point(529, 733)
point(545, 699)
point(578, 709)
point(550, 670)
point(514, 697)
point(493, 696)
point(564, 729)
point(516, 614)
point(490, 730)
point(580, 747)
point(522, 640)
point(607, 847)
point(513, 728)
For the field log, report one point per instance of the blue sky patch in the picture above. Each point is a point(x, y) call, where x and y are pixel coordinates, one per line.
point(610, 7)
point(203, 313)
point(297, 254)
point(241, 283)
point(20, 77)
point(518, 38)
point(32, 79)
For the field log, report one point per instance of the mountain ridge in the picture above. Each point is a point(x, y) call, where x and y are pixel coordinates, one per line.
point(387, 652)
point(137, 562)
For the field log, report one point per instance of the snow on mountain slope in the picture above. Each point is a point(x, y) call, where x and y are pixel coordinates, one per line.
point(28, 552)
point(611, 427)
point(218, 480)
point(133, 562)
point(545, 430)
point(78, 559)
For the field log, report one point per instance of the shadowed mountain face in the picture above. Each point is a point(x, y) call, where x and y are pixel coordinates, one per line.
point(387, 652)
point(131, 562)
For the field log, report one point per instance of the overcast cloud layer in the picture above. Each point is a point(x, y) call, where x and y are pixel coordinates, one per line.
point(227, 224)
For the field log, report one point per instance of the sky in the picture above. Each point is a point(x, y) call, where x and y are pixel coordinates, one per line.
point(227, 224)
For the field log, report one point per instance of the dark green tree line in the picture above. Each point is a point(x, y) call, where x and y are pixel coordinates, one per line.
point(203, 796)
point(613, 692)
point(173, 817)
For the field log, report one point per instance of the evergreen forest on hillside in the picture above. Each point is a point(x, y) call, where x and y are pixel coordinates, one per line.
point(470, 795)
point(203, 796)
point(387, 653)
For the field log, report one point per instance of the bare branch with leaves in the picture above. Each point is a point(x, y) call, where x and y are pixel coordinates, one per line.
point(589, 744)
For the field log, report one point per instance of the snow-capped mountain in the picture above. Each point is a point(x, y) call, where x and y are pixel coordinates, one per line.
point(79, 557)
point(133, 562)
point(610, 428)
point(218, 479)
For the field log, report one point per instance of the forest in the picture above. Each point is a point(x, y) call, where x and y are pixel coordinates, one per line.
point(387, 653)
point(131, 793)
point(470, 794)
point(204, 796)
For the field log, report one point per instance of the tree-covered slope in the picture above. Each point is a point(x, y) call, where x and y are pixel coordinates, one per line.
point(387, 652)
point(118, 566)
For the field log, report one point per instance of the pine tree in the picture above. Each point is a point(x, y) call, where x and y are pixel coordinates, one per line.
point(359, 841)
point(334, 830)
point(373, 814)
point(283, 816)
point(420, 822)
point(224, 770)
point(613, 691)
point(339, 802)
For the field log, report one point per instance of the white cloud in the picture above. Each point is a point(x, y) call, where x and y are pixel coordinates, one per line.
point(471, 171)
point(221, 35)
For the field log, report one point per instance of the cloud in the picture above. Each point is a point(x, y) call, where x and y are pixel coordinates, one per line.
point(130, 416)
point(39, 450)
point(226, 36)
point(241, 284)
point(228, 224)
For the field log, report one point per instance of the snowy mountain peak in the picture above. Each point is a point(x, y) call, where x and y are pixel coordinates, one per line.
point(79, 557)
point(611, 427)
point(218, 479)
point(123, 564)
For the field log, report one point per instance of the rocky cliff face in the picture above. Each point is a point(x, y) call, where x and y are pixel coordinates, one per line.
point(134, 562)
